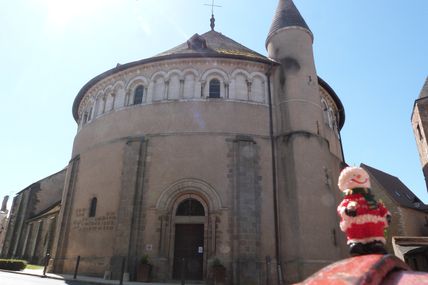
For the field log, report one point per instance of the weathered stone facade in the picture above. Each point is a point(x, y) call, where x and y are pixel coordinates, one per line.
point(409, 214)
point(208, 152)
point(193, 126)
point(33, 219)
point(3, 221)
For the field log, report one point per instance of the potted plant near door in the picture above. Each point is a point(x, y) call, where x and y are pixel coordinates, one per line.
point(218, 271)
point(144, 269)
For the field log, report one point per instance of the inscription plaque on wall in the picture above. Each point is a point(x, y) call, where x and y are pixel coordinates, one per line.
point(82, 222)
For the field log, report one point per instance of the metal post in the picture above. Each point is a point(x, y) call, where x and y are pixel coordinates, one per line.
point(47, 257)
point(76, 268)
point(183, 271)
point(122, 271)
point(268, 270)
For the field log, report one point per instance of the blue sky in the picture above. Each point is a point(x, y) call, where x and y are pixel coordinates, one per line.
point(372, 53)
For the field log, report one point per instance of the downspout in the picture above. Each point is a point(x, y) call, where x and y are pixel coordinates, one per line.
point(274, 184)
point(341, 146)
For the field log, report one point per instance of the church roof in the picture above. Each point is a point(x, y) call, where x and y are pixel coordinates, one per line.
point(214, 44)
point(396, 189)
point(287, 15)
point(424, 91)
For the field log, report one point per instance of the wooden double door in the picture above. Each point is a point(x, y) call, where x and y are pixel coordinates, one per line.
point(189, 251)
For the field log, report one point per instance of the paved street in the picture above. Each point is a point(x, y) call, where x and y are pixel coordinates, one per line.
point(29, 277)
point(21, 279)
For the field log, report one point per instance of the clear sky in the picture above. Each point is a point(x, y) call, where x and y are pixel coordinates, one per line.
point(374, 54)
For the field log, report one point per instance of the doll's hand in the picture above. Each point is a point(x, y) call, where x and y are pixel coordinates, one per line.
point(351, 213)
point(351, 209)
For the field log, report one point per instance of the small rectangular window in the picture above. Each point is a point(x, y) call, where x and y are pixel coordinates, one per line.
point(93, 207)
point(419, 132)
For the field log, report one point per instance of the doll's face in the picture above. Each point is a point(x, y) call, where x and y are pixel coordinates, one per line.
point(354, 177)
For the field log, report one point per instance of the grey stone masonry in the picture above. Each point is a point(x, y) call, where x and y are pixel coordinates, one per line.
point(424, 91)
point(12, 224)
point(62, 232)
point(246, 212)
point(128, 229)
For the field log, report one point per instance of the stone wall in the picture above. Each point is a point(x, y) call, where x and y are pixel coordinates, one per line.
point(30, 231)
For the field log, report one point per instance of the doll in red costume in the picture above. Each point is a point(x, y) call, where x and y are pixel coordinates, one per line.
point(363, 219)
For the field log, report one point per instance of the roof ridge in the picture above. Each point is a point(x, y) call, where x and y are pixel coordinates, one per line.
point(235, 42)
point(396, 189)
point(216, 44)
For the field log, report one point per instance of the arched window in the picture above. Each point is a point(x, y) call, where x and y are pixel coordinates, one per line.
point(138, 95)
point(214, 91)
point(85, 117)
point(93, 207)
point(190, 207)
point(325, 111)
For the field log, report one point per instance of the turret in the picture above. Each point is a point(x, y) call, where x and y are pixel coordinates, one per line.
point(305, 151)
point(296, 84)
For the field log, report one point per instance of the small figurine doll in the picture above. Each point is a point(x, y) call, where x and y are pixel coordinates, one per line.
point(363, 219)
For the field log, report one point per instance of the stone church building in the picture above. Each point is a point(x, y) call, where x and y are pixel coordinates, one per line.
point(206, 152)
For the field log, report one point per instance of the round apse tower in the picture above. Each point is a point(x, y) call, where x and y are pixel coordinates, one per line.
point(167, 146)
point(173, 161)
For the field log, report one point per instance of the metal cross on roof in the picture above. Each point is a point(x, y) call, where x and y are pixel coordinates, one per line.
point(212, 20)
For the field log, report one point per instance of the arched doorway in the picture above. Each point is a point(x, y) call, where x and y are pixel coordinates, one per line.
point(189, 239)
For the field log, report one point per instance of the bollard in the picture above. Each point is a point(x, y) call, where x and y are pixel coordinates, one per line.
point(122, 271)
point(77, 267)
point(267, 270)
point(47, 257)
point(183, 271)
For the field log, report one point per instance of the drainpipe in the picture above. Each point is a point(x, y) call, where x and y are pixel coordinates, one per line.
point(274, 185)
point(341, 147)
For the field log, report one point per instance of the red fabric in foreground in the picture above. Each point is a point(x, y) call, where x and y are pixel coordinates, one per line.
point(373, 269)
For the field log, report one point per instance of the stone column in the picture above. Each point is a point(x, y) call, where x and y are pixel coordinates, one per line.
point(203, 82)
point(249, 84)
point(63, 227)
point(4, 204)
point(246, 212)
point(129, 228)
point(181, 92)
point(166, 91)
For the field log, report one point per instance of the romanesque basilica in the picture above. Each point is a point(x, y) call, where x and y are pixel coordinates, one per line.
point(205, 152)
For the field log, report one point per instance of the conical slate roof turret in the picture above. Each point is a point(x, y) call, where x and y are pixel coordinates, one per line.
point(287, 15)
point(424, 91)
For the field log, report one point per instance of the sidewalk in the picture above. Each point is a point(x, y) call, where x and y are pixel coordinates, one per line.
point(87, 279)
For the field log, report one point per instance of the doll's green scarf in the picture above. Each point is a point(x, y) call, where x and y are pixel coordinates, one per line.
point(366, 192)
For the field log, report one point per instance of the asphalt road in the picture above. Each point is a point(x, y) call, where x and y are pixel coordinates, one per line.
point(21, 279)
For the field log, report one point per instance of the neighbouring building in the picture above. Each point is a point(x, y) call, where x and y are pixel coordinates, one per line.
point(409, 213)
point(420, 127)
point(32, 221)
point(173, 159)
point(3, 220)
